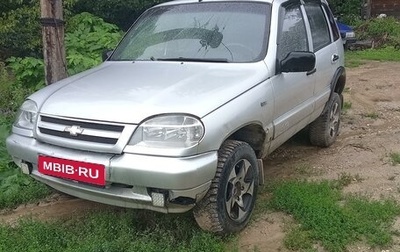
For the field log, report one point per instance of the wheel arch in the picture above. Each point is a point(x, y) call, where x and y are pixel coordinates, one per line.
point(338, 81)
point(253, 134)
point(337, 85)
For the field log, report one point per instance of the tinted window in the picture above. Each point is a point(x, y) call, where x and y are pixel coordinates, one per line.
point(292, 35)
point(332, 22)
point(319, 27)
point(233, 32)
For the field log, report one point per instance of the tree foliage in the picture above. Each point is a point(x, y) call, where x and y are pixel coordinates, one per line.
point(348, 11)
point(120, 12)
point(20, 32)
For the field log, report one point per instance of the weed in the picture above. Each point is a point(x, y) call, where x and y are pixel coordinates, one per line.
point(372, 115)
point(395, 158)
point(304, 169)
point(345, 179)
point(346, 107)
point(332, 219)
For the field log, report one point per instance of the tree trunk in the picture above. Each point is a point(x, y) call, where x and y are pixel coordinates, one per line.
point(53, 40)
point(368, 9)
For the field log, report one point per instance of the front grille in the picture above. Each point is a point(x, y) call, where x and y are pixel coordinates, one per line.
point(85, 131)
point(89, 125)
point(96, 139)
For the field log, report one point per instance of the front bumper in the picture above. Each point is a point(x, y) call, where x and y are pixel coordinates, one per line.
point(133, 181)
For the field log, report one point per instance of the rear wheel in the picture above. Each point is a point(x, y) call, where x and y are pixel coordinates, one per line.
point(228, 204)
point(324, 130)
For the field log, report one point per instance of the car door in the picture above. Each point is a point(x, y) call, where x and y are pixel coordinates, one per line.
point(327, 55)
point(293, 91)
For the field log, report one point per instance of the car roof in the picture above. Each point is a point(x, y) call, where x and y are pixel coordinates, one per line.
point(208, 1)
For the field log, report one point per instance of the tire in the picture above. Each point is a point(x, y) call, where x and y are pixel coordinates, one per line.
point(324, 130)
point(227, 206)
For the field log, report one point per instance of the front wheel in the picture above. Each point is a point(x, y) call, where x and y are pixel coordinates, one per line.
point(324, 130)
point(228, 204)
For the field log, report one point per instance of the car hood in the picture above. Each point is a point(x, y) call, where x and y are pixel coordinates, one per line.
point(129, 92)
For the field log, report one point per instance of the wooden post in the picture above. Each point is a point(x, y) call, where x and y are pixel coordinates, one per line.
point(53, 40)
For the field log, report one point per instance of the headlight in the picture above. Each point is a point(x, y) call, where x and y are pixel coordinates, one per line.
point(26, 117)
point(170, 131)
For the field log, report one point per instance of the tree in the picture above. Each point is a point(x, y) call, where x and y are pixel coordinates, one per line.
point(53, 40)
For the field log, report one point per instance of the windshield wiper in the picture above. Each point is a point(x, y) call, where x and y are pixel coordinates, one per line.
point(218, 60)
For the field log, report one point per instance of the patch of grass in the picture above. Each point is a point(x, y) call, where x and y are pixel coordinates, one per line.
point(346, 107)
point(345, 179)
point(305, 170)
point(372, 115)
point(353, 62)
point(357, 58)
point(332, 219)
point(395, 158)
point(125, 230)
point(298, 239)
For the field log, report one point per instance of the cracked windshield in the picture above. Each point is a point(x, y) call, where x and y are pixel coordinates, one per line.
point(203, 32)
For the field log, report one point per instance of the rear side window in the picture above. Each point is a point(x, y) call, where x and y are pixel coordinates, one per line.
point(292, 33)
point(319, 28)
point(332, 23)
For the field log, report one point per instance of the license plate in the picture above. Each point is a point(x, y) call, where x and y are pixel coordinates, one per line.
point(74, 170)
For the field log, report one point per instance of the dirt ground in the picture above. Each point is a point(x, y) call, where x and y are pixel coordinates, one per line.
point(370, 131)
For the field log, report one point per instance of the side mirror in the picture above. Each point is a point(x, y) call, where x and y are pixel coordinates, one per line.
point(298, 62)
point(106, 54)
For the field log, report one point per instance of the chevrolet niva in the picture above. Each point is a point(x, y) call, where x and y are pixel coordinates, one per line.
point(180, 115)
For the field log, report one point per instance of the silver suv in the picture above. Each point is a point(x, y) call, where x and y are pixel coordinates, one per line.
point(182, 112)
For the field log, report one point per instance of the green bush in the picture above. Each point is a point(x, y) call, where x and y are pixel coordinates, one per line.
point(28, 71)
point(382, 31)
point(11, 96)
point(86, 37)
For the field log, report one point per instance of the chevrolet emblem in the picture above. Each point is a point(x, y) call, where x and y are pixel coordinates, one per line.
point(74, 130)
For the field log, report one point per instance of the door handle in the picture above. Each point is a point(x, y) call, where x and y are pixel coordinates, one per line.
point(335, 58)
